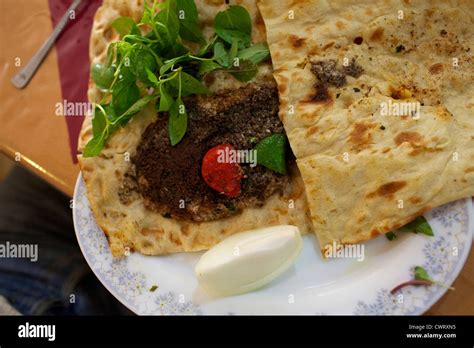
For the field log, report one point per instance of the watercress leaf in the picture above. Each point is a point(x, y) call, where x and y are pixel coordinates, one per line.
point(188, 18)
point(207, 66)
point(170, 62)
point(245, 71)
point(419, 225)
point(123, 49)
point(175, 51)
point(152, 77)
point(126, 72)
point(94, 146)
point(189, 85)
point(124, 95)
point(221, 56)
point(422, 274)
point(191, 32)
point(110, 54)
point(98, 122)
point(102, 129)
point(148, 13)
point(132, 110)
point(166, 100)
point(147, 17)
point(103, 76)
point(207, 47)
point(125, 25)
point(271, 152)
point(243, 39)
point(234, 23)
point(256, 53)
point(142, 59)
point(391, 236)
point(233, 52)
point(167, 24)
point(187, 11)
point(424, 228)
point(178, 121)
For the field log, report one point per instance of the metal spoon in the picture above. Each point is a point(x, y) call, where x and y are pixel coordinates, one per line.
point(21, 79)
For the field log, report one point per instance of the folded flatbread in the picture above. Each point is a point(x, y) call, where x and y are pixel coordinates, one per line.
point(134, 227)
point(377, 99)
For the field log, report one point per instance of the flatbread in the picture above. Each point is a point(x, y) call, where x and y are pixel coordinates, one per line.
point(367, 173)
point(133, 227)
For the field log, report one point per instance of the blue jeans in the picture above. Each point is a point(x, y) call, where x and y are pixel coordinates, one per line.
point(60, 281)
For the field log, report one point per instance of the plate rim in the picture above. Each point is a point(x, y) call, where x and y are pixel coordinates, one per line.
point(455, 273)
point(81, 247)
point(462, 263)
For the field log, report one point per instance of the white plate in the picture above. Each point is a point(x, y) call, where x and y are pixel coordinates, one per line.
point(312, 286)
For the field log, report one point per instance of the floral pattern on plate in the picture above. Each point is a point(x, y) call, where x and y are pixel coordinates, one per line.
point(442, 261)
point(442, 256)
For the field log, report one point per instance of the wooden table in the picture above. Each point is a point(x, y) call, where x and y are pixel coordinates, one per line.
point(31, 132)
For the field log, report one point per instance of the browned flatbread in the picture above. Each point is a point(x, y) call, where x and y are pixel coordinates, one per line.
point(133, 226)
point(339, 64)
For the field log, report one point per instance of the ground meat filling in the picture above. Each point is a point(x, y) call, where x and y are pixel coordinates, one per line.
point(169, 177)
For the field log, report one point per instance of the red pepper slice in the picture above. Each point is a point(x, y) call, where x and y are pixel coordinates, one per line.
point(219, 173)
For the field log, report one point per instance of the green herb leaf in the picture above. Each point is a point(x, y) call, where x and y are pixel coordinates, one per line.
point(391, 236)
point(166, 100)
point(135, 108)
point(234, 23)
point(102, 129)
point(189, 85)
point(188, 18)
point(102, 113)
point(419, 225)
point(168, 64)
point(230, 206)
point(124, 95)
point(110, 54)
point(152, 77)
point(136, 61)
point(123, 50)
point(245, 71)
point(141, 60)
point(271, 152)
point(221, 56)
point(94, 146)
point(103, 76)
point(256, 53)
point(167, 24)
point(233, 53)
point(207, 66)
point(149, 13)
point(125, 26)
point(208, 47)
point(178, 121)
point(422, 274)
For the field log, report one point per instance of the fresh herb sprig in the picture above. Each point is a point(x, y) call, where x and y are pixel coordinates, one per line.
point(419, 225)
point(156, 61)
point(421, 278)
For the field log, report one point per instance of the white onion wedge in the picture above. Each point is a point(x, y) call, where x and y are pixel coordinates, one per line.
point(248, 260)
